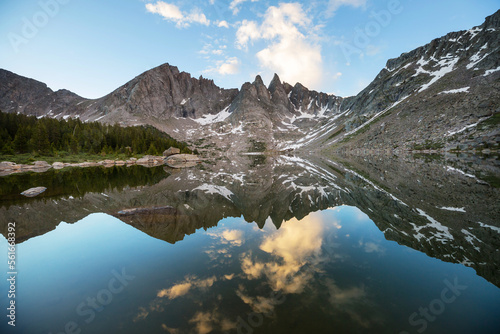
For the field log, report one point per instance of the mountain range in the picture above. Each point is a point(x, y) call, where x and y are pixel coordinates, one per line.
point(444, 95)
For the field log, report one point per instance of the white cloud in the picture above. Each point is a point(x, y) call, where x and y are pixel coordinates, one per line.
point(223, 67)
point(222, 24)
point(172, 13)
point(235, 237)
point(247, 31)
point(333, 5)
point(235, 3)
point(291, 51)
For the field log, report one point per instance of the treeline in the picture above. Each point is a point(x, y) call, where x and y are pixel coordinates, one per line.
point(48, 136)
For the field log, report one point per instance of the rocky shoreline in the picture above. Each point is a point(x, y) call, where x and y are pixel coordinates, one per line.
point(7, 167)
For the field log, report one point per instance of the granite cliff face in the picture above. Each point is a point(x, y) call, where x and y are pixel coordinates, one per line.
point(443, 95)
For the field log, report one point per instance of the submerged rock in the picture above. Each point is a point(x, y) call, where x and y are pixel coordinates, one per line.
point(182, 160)
point(146, 211)
point(32, 192)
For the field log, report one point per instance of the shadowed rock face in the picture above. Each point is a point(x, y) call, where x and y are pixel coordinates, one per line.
point(445, 208)
point(30, 97)
point(164, 92)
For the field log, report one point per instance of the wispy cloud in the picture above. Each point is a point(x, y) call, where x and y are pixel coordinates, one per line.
point(333, 5)
point(234, 5)
point(172, 13)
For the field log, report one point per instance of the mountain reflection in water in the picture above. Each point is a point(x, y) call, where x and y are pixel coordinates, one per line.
point(287, 245)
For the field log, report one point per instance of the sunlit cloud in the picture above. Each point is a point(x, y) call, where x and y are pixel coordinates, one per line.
point(171, 12)
point(292, 246)
point(210, 321)
point(235, 237)
point(177, 290)
point(203, 322)
point(291, 51)
point(232, 237)
point(250, 268)
point(296, 240)
point(170, 330)
point(229, 277)
point(182, 288)
point(248, 30)
point(142, 314)
point(259, 304)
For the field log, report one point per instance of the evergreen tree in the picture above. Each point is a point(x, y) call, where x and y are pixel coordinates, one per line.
point(40, 139)
point(21, 140)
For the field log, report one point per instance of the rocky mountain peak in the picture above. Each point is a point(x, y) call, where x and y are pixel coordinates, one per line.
point(258, 80)
point(275, 83)
point(492, 21)
point(279, 95)
point(166, 67)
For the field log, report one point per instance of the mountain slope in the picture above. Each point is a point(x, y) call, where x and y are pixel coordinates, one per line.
point(436, 96)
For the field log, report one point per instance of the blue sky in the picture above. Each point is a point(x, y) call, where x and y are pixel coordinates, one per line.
point(92, 47)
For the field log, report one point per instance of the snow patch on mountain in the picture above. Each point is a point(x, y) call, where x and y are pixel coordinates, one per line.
point(209, 118)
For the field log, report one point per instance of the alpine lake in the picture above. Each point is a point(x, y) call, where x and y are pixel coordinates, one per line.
point(257, 244)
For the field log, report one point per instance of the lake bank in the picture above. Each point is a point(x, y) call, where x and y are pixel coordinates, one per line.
point(7, 167)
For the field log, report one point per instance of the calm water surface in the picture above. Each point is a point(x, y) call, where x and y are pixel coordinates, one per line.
point(282, 246)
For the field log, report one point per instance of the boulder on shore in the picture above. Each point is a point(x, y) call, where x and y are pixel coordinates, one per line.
point(147, 159)
point(41, 164)
point(171, 151)
point(32, 192)
point(58, 165)
point(7, 165)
